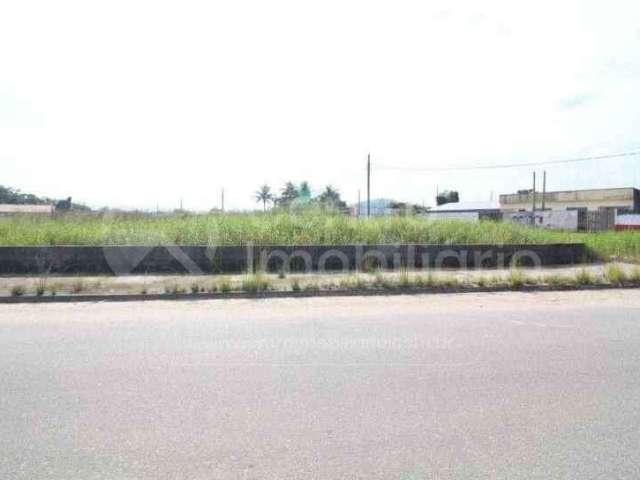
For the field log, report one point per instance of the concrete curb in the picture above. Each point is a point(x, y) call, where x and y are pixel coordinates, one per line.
point(309, 294)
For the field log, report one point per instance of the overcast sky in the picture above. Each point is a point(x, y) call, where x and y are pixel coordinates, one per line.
point(132, 103)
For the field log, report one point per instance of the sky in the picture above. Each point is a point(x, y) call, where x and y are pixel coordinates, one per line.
point(138, 104)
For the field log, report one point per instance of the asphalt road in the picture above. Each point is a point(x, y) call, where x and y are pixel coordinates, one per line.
point(504, 386)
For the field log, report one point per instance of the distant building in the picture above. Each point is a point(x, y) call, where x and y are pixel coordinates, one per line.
point(467, 211)
point(584, 210)
point(620, 200)
point(10, 209)
point(380, 207)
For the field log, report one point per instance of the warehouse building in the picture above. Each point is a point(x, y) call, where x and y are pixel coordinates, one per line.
point(622, 200)
point(584, 210)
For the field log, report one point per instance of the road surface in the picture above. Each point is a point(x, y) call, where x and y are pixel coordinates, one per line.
point(505, 386)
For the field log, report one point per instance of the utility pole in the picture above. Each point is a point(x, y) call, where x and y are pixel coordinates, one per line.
point(544, 189)
point(358, 205)
point(222, 200)
point(180, 203)
point(368, 185)
point(533, 206)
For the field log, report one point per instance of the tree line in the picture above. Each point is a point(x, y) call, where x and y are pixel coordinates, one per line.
point(14, 196)
point(292, 195)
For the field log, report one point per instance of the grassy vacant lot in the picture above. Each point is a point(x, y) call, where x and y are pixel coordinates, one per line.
point(290, 229)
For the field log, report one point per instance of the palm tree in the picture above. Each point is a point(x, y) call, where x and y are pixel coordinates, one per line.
point(264, 195)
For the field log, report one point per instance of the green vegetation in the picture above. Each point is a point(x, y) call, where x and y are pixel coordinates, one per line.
point(174, 289)
point(303, 228)
point(256, 283)
point(225, 285)
point(614, 274)
point(516, 279)
point(41, 286)
point(17, 290)
point(16, 197)
point(609, 276)
point(585, 277)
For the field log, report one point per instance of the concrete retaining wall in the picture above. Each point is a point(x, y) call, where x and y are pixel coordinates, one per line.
point(205, 260)
point(551, 219)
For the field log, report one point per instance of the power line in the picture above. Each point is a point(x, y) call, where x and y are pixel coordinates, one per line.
point(506, 165)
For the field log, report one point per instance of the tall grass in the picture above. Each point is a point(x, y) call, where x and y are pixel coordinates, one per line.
point(310, 228)
point(267, 229)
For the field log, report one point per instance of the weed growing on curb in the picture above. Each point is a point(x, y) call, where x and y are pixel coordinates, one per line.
point(78, 286)
point(295, 285)
point(584, 277)
point(41, 286)
point(195, 288)
point(516, 279)
point(311, 287)
point(557, 280)
point(447, 282)
point(174, 289)
point(615, 275)
point(256, 283)
point(17, 290)
point(225, 285)
point(403, 280)
point(360, 283)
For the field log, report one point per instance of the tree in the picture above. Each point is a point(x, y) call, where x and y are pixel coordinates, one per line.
point(264, 195)
point(448, 196)
point(304, 192)
point(330, 197)
point(16, 197)
point(63, 205)
point(288, 195)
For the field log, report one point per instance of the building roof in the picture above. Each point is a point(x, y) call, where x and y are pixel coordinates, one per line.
point(467, 207)
point(27, 209)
